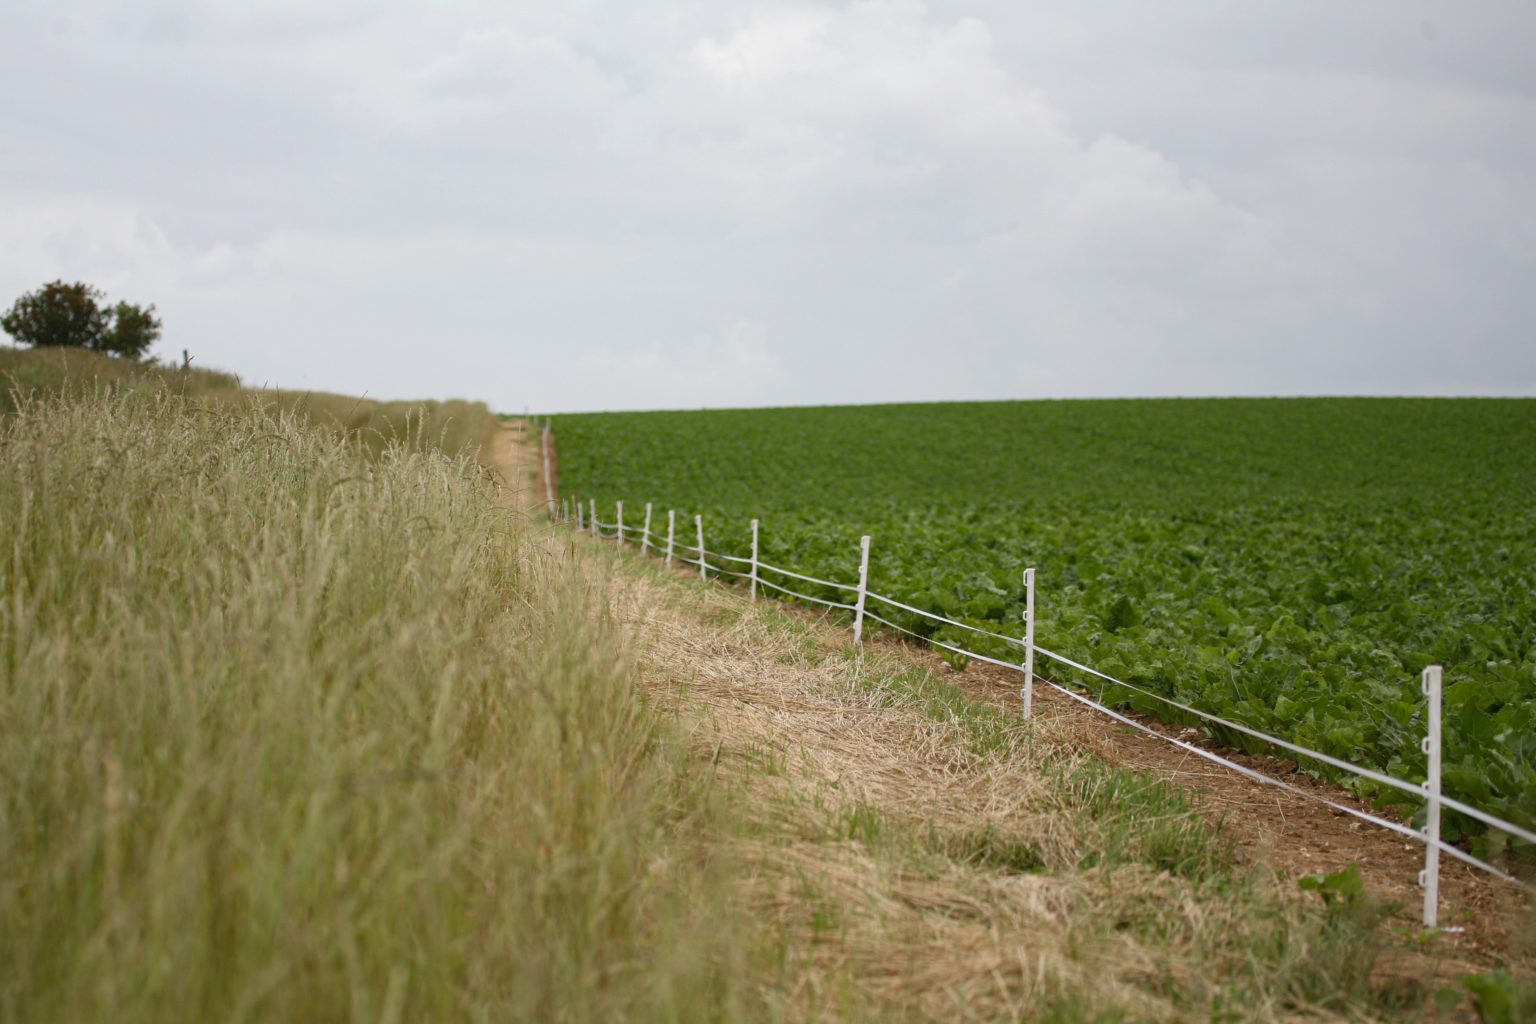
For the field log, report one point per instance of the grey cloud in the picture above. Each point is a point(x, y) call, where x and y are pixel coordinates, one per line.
point(719, 203)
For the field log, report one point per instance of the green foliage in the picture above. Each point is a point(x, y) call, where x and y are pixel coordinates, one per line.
point(1293, 564)
point(134, 330)
point(1344, 886)
point(1502, 999)
point(60, 315)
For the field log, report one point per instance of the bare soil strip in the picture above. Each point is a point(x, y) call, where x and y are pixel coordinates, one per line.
point(1286, 832)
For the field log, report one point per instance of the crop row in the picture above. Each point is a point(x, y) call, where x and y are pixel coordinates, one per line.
point(1289, 565)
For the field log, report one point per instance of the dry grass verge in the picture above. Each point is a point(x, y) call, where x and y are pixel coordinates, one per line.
point(929, 857)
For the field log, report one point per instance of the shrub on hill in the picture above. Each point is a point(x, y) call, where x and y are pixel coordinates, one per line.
point(60, 315)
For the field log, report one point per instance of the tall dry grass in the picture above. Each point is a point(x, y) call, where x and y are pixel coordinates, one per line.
point(455, 427)
point(35, 371)
point(293, 732)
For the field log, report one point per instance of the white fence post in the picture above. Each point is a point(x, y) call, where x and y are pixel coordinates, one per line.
point(549, 485)
point(580, 519)
point(858, 609)
point(1429, 878)
point(698, 521)
point(645, 534)
point(592, 515)
point(754, 559)
point(1028, 693)
point(620, 535)
point(671, 532)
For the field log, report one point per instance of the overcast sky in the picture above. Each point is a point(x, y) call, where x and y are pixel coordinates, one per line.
point(703, 203)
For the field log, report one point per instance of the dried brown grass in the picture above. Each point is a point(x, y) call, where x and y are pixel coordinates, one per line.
point(933, 860)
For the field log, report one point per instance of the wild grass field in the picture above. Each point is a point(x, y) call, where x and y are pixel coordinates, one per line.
point(1290, 563)
point(297, 726)
point(455, 427)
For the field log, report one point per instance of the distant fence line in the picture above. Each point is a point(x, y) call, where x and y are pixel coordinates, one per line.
point(1431, 680)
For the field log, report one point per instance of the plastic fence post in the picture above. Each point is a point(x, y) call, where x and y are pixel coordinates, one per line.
point(645, 534)
point(1028, 693)
point(580, 519)
point(619, 535)
point(858, 608)
point(698, 521)
point(549, 485)
point(754, 559)
point(1429, 878)
point(671, 532)
point(592, 515)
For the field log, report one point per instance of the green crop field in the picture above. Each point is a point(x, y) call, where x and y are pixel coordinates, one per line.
point(1289, 563)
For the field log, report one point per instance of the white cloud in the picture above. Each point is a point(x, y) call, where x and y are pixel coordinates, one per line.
point(781, 43)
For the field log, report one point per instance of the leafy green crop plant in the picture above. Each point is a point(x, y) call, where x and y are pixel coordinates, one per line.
point(1290, 564)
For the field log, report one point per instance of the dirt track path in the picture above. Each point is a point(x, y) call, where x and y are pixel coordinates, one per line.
point(512, 456)
point(1281, 831)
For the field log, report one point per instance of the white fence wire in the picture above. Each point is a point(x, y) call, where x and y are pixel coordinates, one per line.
point(1432, 686)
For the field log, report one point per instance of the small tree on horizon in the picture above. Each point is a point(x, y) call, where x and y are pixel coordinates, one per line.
point(60, 315)
point(134, 329)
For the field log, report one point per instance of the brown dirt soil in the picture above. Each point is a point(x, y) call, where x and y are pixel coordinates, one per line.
point(1290, 833)
point(513, 460)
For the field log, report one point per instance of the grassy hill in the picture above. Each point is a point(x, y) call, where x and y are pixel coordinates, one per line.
point(455, 427)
